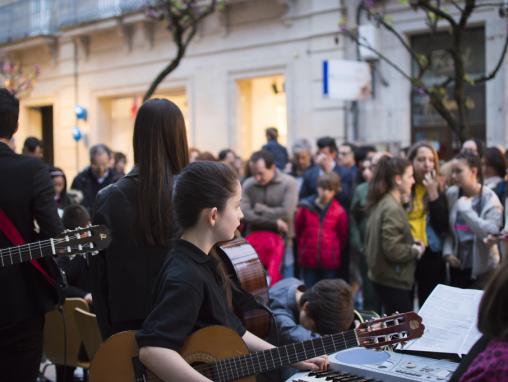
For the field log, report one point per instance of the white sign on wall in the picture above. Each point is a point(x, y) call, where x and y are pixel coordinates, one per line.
point(346, 80)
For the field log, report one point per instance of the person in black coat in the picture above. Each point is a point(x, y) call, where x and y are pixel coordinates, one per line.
point(96, 176)
point(138, 211)
point(26, 195)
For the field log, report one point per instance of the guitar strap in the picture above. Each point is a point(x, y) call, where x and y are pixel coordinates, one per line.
point(12, 234)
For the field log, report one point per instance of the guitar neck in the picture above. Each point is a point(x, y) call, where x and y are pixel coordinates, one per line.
point(26, 252)
point(267, 360)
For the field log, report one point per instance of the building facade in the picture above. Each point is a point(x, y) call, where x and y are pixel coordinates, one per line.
point(253, 64)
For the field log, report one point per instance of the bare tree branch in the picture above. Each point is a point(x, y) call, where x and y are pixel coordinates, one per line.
point(468, 9)
point(401, 39)
point(182, 23)
point(426, 4)
point(380, 55)
point(457, 6)
point(497, 67)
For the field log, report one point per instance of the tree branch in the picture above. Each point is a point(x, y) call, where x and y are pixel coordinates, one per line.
point(379, 54)
point(182, 23)
point(401, 39)
point(457, 6)
point(498, 66)
point(468, 9)
point(425, 4)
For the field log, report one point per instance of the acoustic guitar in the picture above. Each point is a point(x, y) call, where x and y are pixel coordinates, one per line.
point(220, 354)
point(80, 241)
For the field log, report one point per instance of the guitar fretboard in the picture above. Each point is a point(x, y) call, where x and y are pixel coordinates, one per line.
point(267, 360)
point(26, 252)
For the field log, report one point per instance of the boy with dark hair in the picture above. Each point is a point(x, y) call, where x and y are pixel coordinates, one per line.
point(321, 227)
point(302, 314)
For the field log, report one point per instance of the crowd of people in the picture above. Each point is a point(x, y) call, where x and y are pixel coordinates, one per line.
point(341, 230)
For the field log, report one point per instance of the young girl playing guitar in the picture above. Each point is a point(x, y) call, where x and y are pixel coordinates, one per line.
point(192, 291)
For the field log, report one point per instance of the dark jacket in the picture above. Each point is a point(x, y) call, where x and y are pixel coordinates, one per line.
point(279, 152)
point(321, 234)
point(310, 181)
point(77, 274)
point(26, 195)
point(123, 274)
point(87, 183)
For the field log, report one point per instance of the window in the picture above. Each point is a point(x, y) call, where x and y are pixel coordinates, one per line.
point(426, 123)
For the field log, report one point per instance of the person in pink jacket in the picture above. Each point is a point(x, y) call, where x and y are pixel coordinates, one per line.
point(321, 227)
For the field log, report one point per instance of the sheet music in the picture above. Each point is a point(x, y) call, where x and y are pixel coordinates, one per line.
point(450, 317)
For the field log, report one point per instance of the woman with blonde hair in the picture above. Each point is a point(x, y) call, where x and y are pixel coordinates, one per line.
point(428, 217)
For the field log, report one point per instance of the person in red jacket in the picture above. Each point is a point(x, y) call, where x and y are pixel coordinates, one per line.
point(321, 226)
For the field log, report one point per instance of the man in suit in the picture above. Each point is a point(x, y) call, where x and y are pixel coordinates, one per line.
point(26, 195)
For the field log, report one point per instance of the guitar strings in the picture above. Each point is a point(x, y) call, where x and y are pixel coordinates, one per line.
point(24, 249)
point(232, 366)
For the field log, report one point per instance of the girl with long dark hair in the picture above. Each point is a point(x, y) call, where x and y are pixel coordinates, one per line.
point(428, 216)
point(191, 290)
point(475, 213)
point(390, 248)
point(138, 210)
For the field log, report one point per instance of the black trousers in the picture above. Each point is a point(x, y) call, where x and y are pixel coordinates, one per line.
point(21, 350)
point(430, 271)
point(394, 299)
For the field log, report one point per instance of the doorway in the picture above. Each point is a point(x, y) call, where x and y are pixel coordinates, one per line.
point(261, 103)
point(40, 125)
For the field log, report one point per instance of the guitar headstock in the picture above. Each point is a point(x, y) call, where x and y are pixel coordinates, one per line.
point(79, 241)
point(389, 330)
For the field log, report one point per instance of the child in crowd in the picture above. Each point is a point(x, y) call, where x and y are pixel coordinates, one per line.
point(321, 226)
point(206, 201)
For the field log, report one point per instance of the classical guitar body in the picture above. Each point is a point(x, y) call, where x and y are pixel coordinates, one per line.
point(211, 344)
point(113, 360)
point(116, 359)
point(220, 354)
